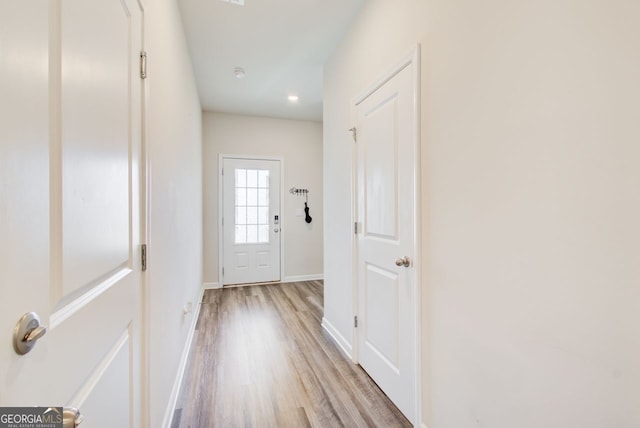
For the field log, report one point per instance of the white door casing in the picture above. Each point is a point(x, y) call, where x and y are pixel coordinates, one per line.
point(70, 138)
point(387, 180)
point(251, 220)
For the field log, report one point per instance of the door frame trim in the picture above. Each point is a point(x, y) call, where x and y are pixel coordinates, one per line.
point(412, 58)
point(221, 158)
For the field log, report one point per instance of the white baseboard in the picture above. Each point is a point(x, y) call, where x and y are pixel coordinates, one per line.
point(299, 278)
point(294, 278)
point(177, 385)
point(338, 338)
point(211, 285)
point(423, 425)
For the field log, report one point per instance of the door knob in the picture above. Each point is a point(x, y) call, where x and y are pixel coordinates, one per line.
point(27, 332)
point(405, 261)
point(71, 417)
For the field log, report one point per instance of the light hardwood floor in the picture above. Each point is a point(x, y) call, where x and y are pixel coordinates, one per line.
point(260, 358)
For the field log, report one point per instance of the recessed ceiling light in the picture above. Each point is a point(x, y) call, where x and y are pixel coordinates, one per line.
point(237, 2)
point(293, 98)
point(239, 72)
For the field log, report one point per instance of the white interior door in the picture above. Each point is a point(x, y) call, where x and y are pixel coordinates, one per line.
point(70, 126)
point(251, 221)
point(386, 138)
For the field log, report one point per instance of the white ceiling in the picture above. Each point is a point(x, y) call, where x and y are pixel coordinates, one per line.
point(281, 44)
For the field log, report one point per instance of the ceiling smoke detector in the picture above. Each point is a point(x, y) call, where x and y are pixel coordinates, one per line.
point(239, 72)
point(236, 2)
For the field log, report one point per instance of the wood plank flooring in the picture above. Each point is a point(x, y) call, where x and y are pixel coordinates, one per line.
point(260, 358)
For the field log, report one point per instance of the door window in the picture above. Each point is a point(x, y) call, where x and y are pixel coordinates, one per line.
point(252, 206)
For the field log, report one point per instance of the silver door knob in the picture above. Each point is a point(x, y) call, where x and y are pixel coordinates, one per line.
point(405, 261)
point(276, 230)
point(27, 332)
point(71, 417)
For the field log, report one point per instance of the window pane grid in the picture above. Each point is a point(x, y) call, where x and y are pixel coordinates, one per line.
point(252, 206)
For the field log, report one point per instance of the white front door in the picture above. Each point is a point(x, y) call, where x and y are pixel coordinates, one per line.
point(251, 220)
point(70, 127)
point(386, 176)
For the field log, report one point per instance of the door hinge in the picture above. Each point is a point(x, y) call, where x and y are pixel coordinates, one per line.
point(355, 321)
point(223, 271)
point(355, 227)
point(354, 131)
point(222, 171)
point(223, 221)
point(143, 65)
point(143, 256)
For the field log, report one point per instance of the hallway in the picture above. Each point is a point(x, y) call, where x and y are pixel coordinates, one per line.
point(260, 358)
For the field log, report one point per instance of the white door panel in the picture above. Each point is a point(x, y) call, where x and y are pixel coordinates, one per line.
point(380, 165)
point(387, 292)
point(381, 306)
point(95, 142)
point(251, 233)
point(70, 129)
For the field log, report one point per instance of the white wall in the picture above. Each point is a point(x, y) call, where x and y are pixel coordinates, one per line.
point(174, 137)
point(299, 143)
point(530, 152)
point(382, 34)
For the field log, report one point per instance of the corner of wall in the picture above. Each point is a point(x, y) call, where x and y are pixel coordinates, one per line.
point(177, 384)
point(340, 340)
